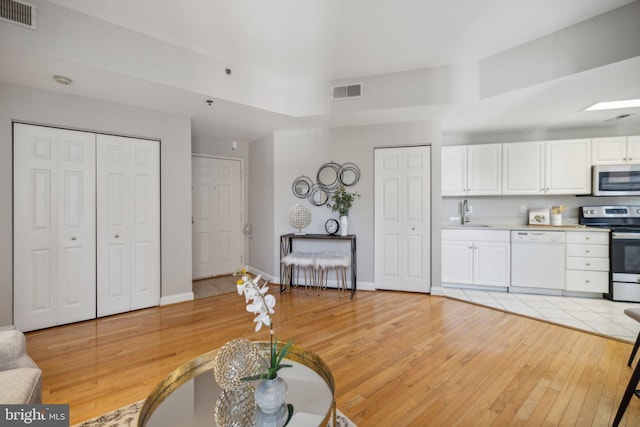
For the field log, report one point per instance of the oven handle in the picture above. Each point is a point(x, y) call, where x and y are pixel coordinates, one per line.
point(629, 236)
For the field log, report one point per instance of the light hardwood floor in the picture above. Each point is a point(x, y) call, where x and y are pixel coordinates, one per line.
point(398, 359)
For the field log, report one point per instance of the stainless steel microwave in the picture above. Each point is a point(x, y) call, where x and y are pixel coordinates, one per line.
point(616, 180)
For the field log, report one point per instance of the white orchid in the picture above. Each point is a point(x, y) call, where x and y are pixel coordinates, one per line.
point(258, 300)
point(261, 303)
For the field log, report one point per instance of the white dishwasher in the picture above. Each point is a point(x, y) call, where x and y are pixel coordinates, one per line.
point(537, 260)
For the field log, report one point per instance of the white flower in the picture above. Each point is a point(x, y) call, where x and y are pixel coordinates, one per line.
point(262, 318)
point(258, 300)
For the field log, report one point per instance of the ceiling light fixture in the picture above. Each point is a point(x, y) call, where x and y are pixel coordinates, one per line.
point(63, 80)
point(612, 105)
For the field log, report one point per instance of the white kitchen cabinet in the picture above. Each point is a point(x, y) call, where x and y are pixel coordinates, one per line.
point(615, 150)
point(547, 167)
point(476, 257)
point(587, 262)
point(472, 170)
point(523, 168)
point(454, 170)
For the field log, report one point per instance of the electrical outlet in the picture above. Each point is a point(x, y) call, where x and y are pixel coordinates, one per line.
point(523, 209)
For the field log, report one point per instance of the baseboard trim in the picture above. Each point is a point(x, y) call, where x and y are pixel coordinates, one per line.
point(265, 276)
point(176, 298)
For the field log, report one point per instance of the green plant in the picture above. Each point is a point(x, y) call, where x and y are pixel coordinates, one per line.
point(342, 201)
point(270, 370)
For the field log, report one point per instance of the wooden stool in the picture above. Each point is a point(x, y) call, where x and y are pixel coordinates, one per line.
point(634, 313)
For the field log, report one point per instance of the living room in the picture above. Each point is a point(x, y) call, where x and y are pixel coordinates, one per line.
point(123, 84)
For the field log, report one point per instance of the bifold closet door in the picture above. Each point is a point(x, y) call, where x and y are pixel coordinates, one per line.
point(128, 224)
point(54, 254)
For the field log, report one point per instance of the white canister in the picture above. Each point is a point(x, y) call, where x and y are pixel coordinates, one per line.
point(556, 219)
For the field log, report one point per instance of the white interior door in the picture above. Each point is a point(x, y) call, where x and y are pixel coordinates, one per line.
point(54, 226)
point(217, 216)
point(128, 224)
point(402, 191)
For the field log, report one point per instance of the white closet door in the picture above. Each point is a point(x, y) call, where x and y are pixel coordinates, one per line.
point(54, 226)
point(402, 212)
point(128, 224)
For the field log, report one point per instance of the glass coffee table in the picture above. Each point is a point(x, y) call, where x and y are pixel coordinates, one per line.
point(188, 395)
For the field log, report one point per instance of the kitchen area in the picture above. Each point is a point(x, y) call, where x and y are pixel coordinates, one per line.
point(547, 229)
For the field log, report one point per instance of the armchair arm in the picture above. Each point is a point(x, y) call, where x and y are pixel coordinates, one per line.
point(13, 351)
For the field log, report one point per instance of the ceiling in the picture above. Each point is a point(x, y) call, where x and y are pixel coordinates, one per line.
point(325, 40)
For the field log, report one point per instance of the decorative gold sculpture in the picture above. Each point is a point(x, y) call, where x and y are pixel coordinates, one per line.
point(236, 408)
point(235, 360)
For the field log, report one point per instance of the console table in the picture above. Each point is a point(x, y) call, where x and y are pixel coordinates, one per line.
point(286, 247)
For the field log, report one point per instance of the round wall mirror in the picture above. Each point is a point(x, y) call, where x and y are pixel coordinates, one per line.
point(301, 187)
point(349, 174)
point(319, 195)
point(329, 175)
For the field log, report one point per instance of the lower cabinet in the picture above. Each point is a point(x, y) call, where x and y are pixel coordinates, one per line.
point(587, 262)
point(476, 257)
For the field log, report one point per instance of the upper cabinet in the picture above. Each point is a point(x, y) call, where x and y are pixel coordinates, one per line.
point(547, 167)
point(615, 150)
point(471, 170)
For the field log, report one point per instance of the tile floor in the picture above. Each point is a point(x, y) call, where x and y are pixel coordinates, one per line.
point(600, 316)
point(214, 286)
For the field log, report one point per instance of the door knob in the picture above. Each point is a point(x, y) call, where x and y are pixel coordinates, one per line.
point(74, 238)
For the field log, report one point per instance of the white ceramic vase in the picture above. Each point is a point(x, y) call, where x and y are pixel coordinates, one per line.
point(344, 224)
point(271, 394)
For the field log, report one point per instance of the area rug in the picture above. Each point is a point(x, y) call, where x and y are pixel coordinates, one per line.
point(127, 416)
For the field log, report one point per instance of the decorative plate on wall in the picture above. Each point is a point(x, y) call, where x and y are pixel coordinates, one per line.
point(299, 217)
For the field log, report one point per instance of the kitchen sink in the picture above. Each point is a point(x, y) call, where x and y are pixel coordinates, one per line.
point(469, 226)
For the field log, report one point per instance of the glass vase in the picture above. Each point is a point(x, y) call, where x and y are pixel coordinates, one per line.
point(270, 394)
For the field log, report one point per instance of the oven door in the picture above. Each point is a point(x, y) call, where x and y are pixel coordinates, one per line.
point(625, 256)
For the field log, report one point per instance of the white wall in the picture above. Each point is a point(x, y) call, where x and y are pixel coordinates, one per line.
point(303, 152)
point(260, 175)
point(48, 108)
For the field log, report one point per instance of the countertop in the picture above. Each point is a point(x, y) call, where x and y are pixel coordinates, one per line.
point(510, 227)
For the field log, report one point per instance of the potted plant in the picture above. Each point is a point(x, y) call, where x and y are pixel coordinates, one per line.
point(271, 392)
point(341, 202)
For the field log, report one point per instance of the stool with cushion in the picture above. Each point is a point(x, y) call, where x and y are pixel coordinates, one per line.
point(20, 377)
point(327, 261)
point(297, 261)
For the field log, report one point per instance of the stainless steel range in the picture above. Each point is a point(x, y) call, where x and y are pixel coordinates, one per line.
point(624, 247)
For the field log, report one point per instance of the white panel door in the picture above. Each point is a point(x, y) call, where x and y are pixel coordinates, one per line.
point(54, 226)
point(217, 216)
point(402, 218)
point(128, 224)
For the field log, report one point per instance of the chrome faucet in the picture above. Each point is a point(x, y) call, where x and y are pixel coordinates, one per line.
point(464, 217)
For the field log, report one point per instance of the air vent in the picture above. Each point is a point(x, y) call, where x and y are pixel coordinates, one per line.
point(18, 12)
point(346, 91)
